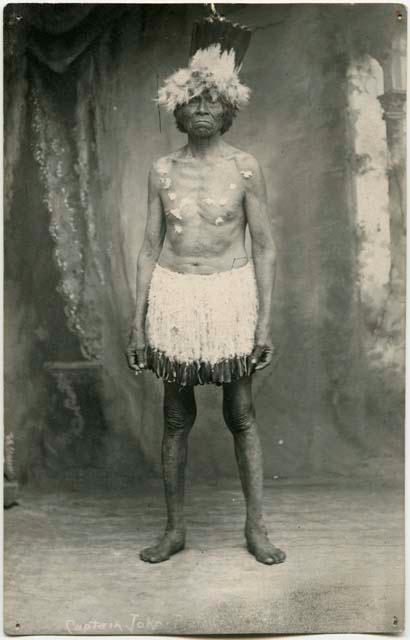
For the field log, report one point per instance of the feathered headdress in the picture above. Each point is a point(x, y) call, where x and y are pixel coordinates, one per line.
point(217, 49)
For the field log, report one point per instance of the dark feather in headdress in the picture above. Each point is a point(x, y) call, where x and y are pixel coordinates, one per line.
point(219, 30)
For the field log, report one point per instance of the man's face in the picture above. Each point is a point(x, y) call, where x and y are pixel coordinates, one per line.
point(202, 116)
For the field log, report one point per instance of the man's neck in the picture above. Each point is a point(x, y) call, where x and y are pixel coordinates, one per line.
point(203, 148)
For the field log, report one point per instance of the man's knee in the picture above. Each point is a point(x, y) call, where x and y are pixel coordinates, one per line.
point(239, 420)
point(179, 419)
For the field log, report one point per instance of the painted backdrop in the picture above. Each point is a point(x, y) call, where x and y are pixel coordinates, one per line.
point(81, 131)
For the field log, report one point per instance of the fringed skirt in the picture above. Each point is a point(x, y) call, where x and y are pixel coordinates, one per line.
point(200, 328)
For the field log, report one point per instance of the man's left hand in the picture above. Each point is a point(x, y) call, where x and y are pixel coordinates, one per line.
point(261, 356)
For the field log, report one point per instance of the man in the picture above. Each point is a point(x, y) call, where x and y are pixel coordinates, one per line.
point(203, 307)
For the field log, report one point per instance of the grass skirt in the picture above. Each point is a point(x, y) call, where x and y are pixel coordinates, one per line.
point(200, 328)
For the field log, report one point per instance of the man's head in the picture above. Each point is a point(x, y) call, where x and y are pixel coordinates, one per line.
point(210, 77)
point(205, 115)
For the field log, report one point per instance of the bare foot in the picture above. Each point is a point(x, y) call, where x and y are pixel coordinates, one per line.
point(170, 543)
point(260, 546)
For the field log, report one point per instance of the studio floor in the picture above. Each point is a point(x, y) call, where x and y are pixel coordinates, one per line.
point(71, 562)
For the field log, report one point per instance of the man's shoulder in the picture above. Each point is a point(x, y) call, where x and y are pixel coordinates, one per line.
point(245, 160)
point(163, 164)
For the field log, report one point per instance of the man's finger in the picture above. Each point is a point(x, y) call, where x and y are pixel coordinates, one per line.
point(262, 365)
point(256, 354)
point(141, 358)
point(134, 367)
point(265, 360)
point(131, 358)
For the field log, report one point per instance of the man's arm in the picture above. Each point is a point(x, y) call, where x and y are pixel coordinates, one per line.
point(147, 257)
point(264, 256)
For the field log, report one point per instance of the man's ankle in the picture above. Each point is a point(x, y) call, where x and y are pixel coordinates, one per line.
point(255, 523)
point(176, 529)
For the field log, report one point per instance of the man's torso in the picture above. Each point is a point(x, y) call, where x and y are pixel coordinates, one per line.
point(203, 205)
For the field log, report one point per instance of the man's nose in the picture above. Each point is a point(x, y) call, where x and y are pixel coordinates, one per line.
point(202, 106)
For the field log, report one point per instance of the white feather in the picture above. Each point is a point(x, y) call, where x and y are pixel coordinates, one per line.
point(209, 69)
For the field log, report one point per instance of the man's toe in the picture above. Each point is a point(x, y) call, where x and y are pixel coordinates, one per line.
point(280, 556)
point(265, 558)
point(146, 554)
point(152, 559)
point(158, 556)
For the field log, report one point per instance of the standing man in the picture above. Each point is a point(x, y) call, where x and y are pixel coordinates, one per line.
point(203, 310)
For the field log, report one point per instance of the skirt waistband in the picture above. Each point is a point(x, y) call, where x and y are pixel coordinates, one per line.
point(216, 274)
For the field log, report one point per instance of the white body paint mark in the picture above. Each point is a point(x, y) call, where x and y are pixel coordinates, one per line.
point(178, 228)
point(166, 182)
point(232, 185)
point(219, 220)
point(175, 212)
point(172, 195)
point(162, 169)
point(247, 174)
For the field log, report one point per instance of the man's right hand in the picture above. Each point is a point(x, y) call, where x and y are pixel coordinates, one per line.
point(136, 352)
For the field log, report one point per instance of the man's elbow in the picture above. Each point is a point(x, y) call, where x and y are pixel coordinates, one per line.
point(271, 257)
point(267, 250)
point(148, 254)
point(271, 250)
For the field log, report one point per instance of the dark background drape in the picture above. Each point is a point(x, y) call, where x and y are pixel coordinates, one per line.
point(81, 130)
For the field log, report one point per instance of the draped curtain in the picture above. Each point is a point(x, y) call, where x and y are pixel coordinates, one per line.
point(61, 73)
point(62, 83)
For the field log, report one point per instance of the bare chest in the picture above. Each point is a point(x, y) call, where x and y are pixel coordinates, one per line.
point(195, 193)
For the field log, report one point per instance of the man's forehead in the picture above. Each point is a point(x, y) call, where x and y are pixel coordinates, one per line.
point(208, 94)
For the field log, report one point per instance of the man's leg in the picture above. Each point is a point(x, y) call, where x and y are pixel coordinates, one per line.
point(239, 416)
point(179, 417)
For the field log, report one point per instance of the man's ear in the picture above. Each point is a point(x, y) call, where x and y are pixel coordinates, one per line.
point(178, 122)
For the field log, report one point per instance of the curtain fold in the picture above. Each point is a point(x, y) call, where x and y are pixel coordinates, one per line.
point(14, 98)
point(63, 161)
point(59, 34)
